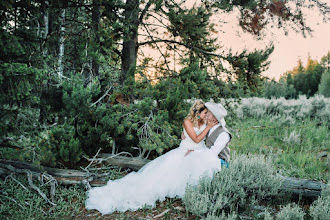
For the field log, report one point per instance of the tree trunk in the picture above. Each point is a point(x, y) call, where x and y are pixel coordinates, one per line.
point(129, 52)
point(134, 163)
point(302, 187)
point(46, 19)
point(62, 176)
point(96, 25)
point(61, 45)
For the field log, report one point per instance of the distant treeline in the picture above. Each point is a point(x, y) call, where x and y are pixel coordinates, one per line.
point(312, 79)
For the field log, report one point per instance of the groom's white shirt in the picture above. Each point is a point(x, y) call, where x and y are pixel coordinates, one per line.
point(220, 142)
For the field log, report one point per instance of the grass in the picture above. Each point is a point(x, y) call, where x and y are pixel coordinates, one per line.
point(19, 203)
point(293, 147)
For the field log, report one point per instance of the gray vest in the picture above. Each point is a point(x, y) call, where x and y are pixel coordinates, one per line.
point(209, 141)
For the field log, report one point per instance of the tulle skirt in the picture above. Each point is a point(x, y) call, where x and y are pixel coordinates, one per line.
point(165, 176)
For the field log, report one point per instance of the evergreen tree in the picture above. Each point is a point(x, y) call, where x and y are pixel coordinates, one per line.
point(248, 68)
point(324, 86)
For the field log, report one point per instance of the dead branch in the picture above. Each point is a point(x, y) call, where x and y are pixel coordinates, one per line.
point(162, 214)
point(29, 175)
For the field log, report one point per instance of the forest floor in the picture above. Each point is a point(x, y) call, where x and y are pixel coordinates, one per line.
point(168, 209)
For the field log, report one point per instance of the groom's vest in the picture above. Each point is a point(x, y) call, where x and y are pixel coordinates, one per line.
point(209, 141)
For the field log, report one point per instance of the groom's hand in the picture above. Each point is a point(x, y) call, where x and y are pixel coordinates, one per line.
point(188, 152)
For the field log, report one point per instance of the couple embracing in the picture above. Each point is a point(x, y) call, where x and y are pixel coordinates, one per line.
point(202, 152)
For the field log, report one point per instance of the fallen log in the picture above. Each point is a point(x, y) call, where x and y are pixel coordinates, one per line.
point(302, 187)
point(134, 163)
point(309, 189)
point(62, 176)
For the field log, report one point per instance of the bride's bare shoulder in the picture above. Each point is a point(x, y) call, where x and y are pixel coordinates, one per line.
point(187, 122)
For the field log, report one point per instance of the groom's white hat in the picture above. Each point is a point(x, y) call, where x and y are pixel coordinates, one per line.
point(218, 111)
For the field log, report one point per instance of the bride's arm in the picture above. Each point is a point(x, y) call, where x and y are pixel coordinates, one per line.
point(189, 127)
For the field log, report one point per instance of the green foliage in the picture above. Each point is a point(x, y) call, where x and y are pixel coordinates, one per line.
point(17, 82)
point(247, 68)
point(320, 209)
point(291, 212)
point(47, 153)
point(247, 178)
point(194, 28)
point(229, 5)
point(305, 80)
point(78, 97)
point(324, 86)
point(70, 151)
point(11, 49)
point(273, 89)
point(65, 146)
point(317, 107)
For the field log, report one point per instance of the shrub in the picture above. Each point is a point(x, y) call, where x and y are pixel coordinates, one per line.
point(70, 150)
point(65, 146)
point(273, 89)
point(324, 86)
point(247, 178)
point(291, 212)
point(320, 208)
point(317, 107)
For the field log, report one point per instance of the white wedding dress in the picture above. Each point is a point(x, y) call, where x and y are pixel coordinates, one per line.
point(165, 176)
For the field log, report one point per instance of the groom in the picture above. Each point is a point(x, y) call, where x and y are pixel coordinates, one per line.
point(218, 137)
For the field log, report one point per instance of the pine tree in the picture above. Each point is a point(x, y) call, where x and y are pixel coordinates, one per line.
point(324, 86)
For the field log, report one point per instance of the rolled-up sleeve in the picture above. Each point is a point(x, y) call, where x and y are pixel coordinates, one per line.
point(220, 143)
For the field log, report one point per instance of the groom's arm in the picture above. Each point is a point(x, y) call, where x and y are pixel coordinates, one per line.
point(220, 143)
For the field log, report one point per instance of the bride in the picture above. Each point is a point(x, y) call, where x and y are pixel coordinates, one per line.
point(165, 176)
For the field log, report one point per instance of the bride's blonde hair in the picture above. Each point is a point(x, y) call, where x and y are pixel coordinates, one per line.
point(194, 112)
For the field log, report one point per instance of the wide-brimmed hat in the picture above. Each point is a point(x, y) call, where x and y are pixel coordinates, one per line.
point(218, 111)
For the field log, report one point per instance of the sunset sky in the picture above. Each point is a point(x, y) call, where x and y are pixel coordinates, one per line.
point(288, 49)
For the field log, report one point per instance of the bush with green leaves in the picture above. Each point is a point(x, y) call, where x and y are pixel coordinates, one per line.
point(324, 86)
point(64, 144)
point(19, 110)
point(291, 212)
point(320, 209)
point(317, 107)
point(273, 89)
point(247, 178)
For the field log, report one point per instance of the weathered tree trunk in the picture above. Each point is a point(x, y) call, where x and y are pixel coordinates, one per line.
point(129, 52)
point(309, 189)
point(62, 176)
point(134, 163)
point(61, 45)
point(302, 187)
point(96, 25)
point(46, 18)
